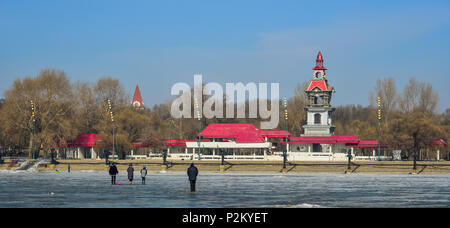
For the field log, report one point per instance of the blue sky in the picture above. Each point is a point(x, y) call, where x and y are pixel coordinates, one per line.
point(158, 43)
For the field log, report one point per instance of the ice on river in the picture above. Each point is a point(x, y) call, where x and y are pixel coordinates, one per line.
point(93, 189)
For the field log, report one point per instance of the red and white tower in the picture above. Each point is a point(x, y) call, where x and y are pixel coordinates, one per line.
point(137, 99)
point(319, 110)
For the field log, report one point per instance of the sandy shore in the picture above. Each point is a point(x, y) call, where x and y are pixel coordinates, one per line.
point(155, 165)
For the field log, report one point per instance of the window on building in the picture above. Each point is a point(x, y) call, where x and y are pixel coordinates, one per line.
point(318, 100)
point(317, 118)
point(317, 147)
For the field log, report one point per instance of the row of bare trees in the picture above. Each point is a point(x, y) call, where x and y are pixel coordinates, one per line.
point(64, 109)
point(412, 111)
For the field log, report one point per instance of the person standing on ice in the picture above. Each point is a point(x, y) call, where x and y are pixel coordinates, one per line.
point(130, 171)
point(192, 172)
point(143, 174)
point(113, 172)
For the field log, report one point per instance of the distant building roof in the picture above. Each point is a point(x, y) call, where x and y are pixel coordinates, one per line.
point(241, 132)
point(166, 142)
point(324, 139)
point(85, 140)
point(137, 99)
point(364, 143)
point(439, 142)
point(274, 134)
point(319, 83)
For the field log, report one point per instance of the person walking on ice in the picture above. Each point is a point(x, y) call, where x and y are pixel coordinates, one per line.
point(192, 173)
point(143, 174)
point(130, 171)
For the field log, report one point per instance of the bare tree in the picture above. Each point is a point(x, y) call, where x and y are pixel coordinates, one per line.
point(387, 91)
point(428, 99)
point(110, 88)
point(408, 101)
point(51, 93)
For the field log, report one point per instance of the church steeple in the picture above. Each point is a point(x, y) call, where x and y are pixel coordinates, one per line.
point(137, 99)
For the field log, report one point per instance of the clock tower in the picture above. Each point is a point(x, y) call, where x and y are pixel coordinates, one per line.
point(318, 107)
point(137, 99)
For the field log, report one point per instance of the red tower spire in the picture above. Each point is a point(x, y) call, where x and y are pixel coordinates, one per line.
point(319, 62)
point(137, 98)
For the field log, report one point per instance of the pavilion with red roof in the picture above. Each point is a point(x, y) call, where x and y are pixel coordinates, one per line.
point(235, 138)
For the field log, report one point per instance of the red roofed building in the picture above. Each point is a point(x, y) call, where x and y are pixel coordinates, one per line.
point(137, 99)
point(235, 139)
point(318, 84)
point(274, 134)
point(84, 146)
point(240, 132)
point(344, 139)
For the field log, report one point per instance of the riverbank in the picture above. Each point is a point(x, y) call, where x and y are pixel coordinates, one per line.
point(155, 165)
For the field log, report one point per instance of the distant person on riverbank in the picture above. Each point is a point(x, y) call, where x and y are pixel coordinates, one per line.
point(143, 174)
point(113, 172)
point(130, 171)
point(192, 173)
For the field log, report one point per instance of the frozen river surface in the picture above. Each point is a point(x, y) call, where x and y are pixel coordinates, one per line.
point(93, 189)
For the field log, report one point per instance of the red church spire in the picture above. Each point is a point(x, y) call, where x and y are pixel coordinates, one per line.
point(137, 99)
point(319, 62)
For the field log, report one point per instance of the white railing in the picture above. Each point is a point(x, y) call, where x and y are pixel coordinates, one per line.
point(111, 156)
point(245, 157)
point(136, 157)
point(216, 157)
point(373, 158)
point(275, 156)
point(310, 156)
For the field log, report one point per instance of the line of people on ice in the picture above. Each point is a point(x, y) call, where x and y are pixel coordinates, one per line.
point(192, 173)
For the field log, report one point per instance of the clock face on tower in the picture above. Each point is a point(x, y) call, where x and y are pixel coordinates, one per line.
point(137, 99)
point(318, 75)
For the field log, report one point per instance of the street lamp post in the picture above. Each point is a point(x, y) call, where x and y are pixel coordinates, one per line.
point(106, 153)
point(165, 158)
point(199, 127)
point(349, 155)
point(34, 128)
point(287, 140)
point(52, 156)
point(222, 163)
point(415, 151)
point(379, 128)
point(112, 120)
